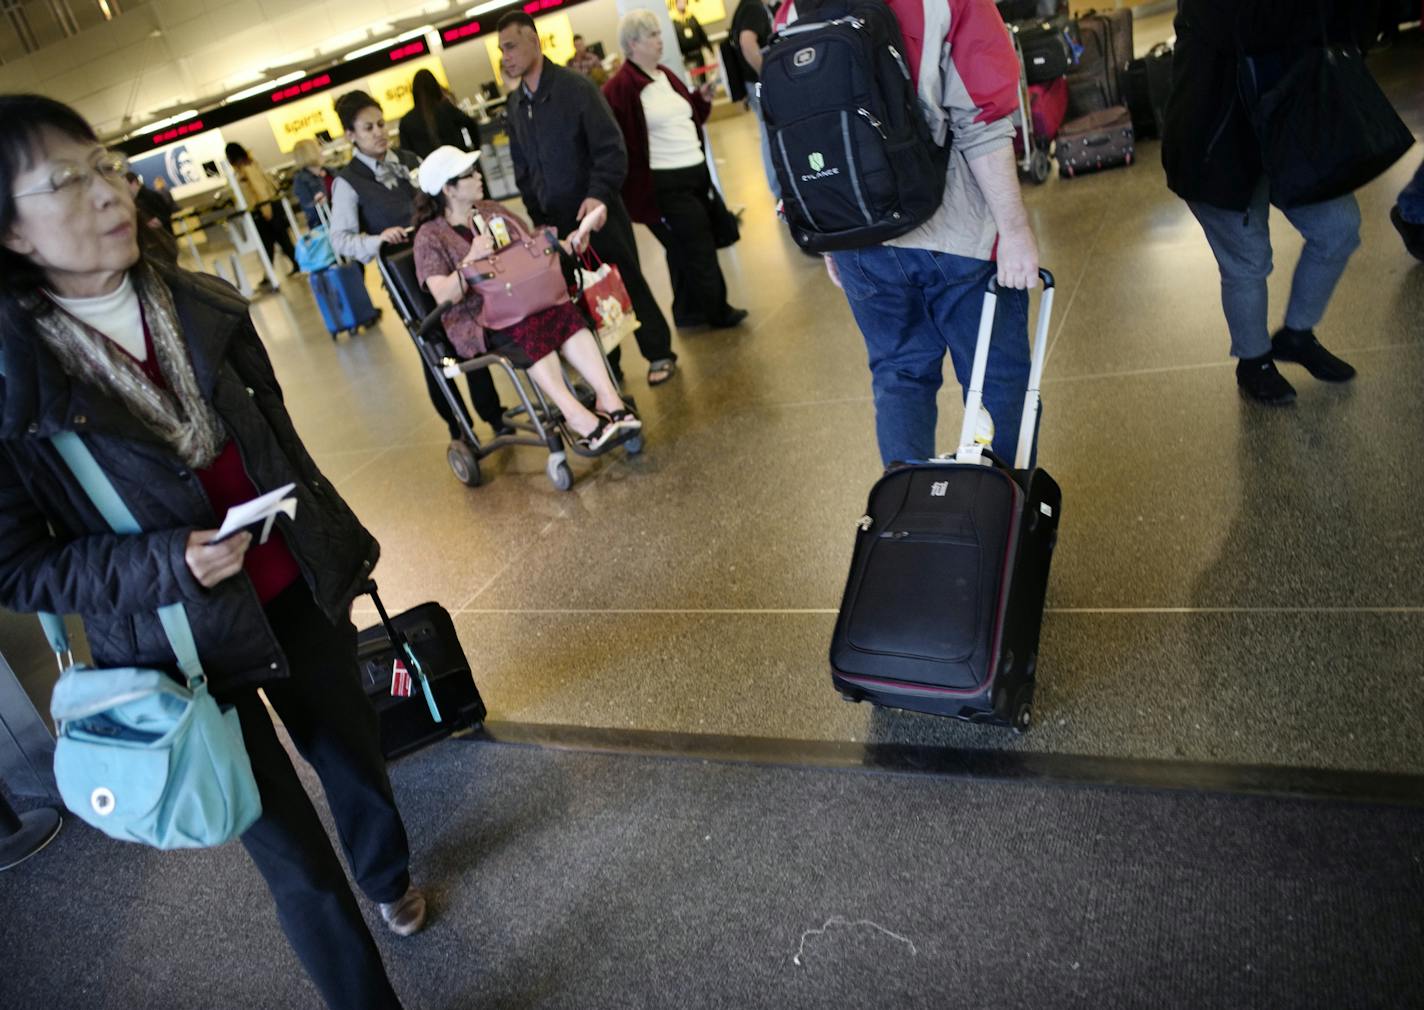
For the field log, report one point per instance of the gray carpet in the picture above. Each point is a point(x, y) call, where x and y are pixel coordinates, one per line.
point(577, 880)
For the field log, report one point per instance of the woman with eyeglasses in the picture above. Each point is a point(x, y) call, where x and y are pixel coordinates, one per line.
point(161, 374)
point(457, 227)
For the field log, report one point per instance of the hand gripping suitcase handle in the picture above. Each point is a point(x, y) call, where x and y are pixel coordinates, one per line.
point(401, 644)
point(968, 450)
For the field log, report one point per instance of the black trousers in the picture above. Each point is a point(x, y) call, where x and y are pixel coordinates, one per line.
point(614, 243)
point(333, 726)
point(274, 233)
point(482, 394)
point(699, 292)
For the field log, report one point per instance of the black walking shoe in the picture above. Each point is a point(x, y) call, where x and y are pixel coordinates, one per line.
point(1413, 234)
point(1301, 347)
point(733, 317)
point(1258, 380)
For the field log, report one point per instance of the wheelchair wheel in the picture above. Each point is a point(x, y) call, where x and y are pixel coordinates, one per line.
point(559, 474)
point(634, 445)
point(464, 464)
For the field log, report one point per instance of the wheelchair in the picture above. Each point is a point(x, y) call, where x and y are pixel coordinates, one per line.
point(535, 421)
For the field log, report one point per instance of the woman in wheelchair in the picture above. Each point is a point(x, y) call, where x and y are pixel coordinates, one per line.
point(455, 227)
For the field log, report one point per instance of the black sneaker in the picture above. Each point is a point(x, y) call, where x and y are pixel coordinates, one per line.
point(1301, 347)
point(1413, 234)
point(1258, 380)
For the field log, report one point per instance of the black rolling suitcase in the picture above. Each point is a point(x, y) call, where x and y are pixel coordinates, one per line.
point(443, 697)
point(1095, 142)
point(942, 609)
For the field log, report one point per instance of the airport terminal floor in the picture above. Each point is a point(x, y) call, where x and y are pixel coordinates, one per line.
point(1219, 804)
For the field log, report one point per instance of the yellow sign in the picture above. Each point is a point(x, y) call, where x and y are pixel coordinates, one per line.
point(392, 87)
point(556, 39)
point(705, 11)
point(300, 120)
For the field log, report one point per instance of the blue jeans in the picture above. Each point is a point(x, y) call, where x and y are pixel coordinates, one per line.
point(1242, 245)
point(912, 305)
point(754, 104)
point(1411, 198)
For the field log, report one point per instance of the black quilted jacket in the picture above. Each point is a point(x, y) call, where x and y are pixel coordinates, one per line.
point(58, 554)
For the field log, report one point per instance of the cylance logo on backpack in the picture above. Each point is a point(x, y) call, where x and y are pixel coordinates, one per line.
point(817, 161)
point(835, 89)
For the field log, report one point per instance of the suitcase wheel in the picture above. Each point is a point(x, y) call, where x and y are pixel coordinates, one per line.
point(1021, 711)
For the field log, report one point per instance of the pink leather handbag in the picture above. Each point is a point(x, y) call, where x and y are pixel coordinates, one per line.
point(518, 280)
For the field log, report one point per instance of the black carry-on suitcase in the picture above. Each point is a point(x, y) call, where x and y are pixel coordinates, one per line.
point(443, 697)
point(942, 609)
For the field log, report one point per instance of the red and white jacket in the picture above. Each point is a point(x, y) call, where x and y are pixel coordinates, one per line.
point(969, 86)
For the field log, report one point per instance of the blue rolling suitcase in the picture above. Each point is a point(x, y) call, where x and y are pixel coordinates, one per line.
point(944, 602)
point(340, 293)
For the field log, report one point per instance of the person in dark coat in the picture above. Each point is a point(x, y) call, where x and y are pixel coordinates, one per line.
point(1227, 53)
point(569, 160)
point(668, 187)
point(162, 375)
point(435, 121)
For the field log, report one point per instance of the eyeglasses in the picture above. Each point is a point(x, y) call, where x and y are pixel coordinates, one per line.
point(74, 178)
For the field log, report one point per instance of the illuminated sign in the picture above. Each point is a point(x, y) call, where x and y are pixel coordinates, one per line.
point(459, 32)
point(297, 90)
point(541, 5)
point(407, 51)
point(192, 126)
point(306, 118)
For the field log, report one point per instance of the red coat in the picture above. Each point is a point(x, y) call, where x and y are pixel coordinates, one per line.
point(624, 93)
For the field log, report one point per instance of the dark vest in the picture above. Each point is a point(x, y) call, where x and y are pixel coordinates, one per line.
point(379, 208)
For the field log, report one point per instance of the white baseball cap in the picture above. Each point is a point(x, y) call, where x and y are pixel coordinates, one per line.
point(444, 164)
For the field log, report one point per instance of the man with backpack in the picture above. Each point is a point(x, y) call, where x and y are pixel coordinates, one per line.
point(919, 293)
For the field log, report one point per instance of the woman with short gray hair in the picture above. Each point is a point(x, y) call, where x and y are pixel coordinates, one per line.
point(668, 187)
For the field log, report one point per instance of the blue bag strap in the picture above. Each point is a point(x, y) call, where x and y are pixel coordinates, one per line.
point(106, 499)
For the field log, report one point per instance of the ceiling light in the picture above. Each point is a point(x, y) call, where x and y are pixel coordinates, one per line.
point(258, 89)
point(485, 8)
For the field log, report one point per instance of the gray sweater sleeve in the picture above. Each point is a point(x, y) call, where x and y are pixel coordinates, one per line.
point(346, 237)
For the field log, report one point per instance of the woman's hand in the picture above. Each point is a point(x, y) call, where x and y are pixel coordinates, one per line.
point(481, 247)
point(395, 235)
point(212, 563)
point(707, 91)
point(447, 288)
point(319, 198)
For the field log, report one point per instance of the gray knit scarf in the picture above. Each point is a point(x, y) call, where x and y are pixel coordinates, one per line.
point(179, 415)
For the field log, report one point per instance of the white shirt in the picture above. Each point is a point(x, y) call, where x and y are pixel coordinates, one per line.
point(116, 315)
point(672, 135)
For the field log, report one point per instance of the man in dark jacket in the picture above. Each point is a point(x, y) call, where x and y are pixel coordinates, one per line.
point(161, 375)
point(569, 160)
point(1228, 52)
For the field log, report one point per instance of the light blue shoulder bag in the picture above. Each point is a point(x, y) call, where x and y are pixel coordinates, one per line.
point(139, 756)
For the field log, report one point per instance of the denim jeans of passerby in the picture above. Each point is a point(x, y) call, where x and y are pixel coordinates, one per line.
point(913, 305)
point(1241, 241)
point(754, 104)
point(1411, 198)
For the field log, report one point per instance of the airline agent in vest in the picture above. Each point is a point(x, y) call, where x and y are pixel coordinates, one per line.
point(372, 204)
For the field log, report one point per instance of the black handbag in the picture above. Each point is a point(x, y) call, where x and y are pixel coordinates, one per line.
point(726, 226)
point(1326, 128)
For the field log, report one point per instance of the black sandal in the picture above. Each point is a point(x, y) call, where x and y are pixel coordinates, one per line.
point(667, 366)
point(597, 439)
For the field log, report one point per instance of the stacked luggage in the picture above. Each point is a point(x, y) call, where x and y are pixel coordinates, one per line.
point(1100, 133)
point(1047, 50)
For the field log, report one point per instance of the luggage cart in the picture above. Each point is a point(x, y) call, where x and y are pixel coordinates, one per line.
point(535, 422)
point(1034, 162)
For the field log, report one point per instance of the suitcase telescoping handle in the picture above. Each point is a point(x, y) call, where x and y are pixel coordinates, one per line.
point(402, 644)
point(323, 213)
point(969, 450)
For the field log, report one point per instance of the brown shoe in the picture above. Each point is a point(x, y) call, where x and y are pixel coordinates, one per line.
point(407, 915)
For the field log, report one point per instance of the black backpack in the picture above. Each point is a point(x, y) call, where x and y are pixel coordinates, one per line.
point(853, 153)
